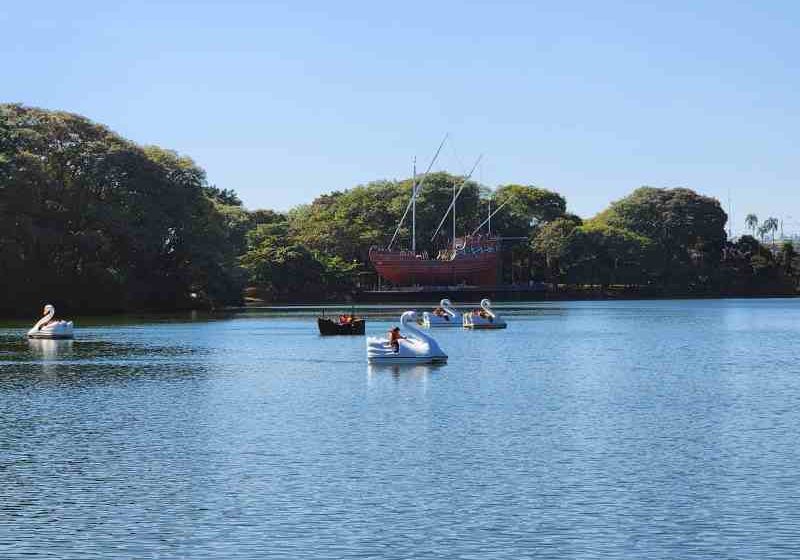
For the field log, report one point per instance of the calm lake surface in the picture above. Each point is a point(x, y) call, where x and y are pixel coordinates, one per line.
point(586, 430)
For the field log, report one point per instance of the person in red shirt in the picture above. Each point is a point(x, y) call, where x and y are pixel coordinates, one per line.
point(394, 339)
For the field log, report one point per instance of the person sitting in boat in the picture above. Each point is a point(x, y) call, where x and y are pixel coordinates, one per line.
point(394, 339)
point(440, 312)
point(345, 319)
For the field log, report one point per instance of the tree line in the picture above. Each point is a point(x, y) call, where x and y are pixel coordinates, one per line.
point(93, 222)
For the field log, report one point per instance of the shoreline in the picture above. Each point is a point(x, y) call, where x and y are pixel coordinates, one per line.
point(407, 298)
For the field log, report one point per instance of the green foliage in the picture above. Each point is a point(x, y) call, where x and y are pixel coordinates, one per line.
point(529, 206)
point(596, 253)
point(347, 223)
point(749, 244)
point(551, 241)
point(552, 238)
point(282, 269)
point(770, 225)
point(750, 268)
point(226, 197)
point(93, 222)
point(752, 222)
point(687, 229)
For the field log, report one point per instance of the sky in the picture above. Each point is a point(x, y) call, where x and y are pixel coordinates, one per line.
point(283, 101)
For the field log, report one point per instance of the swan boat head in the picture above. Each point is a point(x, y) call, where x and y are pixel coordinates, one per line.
point(486, 305)
point(484, 318)
point(451, 317)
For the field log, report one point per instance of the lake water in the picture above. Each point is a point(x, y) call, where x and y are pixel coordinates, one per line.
point(586, 430)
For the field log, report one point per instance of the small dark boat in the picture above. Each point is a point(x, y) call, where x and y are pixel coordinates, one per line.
point(345, 324)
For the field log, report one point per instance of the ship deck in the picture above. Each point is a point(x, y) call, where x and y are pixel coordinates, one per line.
point(460, 292)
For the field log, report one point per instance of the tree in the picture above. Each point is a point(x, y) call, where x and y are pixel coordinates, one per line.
point(347, 223)
point(596, 253)
point(552, 238)
point(688, 229)
point(771, 225)
point(752, 222)
point(281, 270)
point(524, 210)
point(527, 207)
point(202, 248)
point(93, 222)
point(788, 255)
point(227, 197)
point(551, 241)
point(284, 270)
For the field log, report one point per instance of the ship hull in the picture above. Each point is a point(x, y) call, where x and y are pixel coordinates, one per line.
point(403, 269)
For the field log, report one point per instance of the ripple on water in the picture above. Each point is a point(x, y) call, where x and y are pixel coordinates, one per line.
point(614, 430)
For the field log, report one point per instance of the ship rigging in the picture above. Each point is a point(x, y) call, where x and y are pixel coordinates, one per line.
point(471, 260)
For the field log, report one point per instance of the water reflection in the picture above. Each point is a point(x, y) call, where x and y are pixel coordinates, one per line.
point(414, 371)
point(100, 357)
point(50, 352)
point(50, 349)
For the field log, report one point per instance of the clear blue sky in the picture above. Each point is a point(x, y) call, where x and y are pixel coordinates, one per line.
point(285, 100)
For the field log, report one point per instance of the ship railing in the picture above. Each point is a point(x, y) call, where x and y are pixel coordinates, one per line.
point(400, 255)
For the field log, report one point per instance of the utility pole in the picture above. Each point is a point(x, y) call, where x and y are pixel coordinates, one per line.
point(730, 216)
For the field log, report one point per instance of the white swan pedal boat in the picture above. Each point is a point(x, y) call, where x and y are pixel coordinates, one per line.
point(417, 347)
point(483, 318)
point(444, 316)
point(48, 329)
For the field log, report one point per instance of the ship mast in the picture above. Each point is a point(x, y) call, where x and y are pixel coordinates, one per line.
point(489, 219)
point(412, 204)
point(454, 216)
point(414, 209)
point(490, 216)
point(453, 203)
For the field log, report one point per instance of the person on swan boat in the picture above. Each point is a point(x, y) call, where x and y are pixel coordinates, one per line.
point(481, 312)
point(394, 339)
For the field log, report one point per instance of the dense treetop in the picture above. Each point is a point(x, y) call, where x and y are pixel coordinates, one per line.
point(93, 221)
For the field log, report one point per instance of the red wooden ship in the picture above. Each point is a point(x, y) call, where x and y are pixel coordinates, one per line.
point(470, 260)
point(473, 262)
